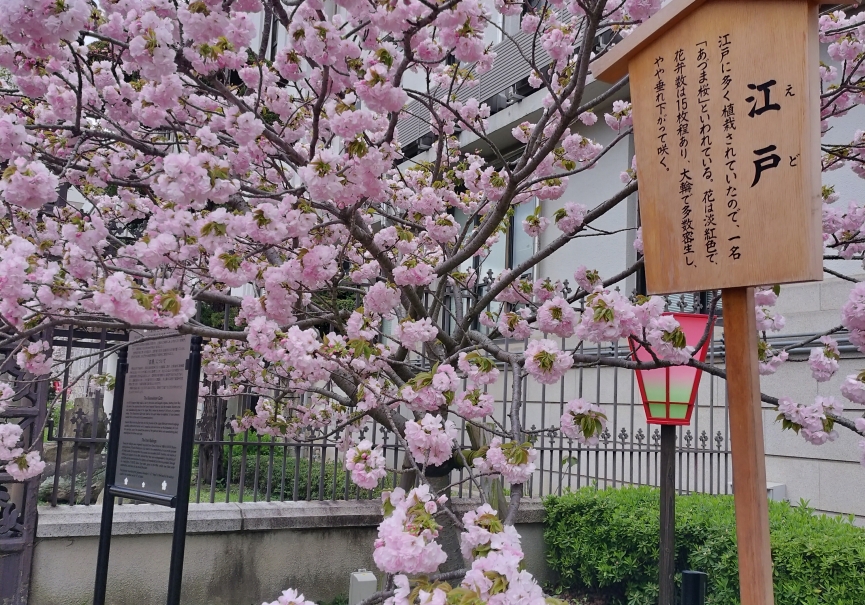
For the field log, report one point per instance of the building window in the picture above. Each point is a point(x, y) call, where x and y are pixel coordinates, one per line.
point(521, 246)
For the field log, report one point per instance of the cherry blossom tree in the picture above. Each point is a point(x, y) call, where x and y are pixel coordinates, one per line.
point(207, 166)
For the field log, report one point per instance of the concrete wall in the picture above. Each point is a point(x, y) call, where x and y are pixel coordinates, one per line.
point(236, 554)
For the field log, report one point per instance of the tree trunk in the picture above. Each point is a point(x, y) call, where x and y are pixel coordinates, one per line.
point(210, 457)
point(449, 535)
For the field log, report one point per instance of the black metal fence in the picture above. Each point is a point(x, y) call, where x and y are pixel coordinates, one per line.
point(238, 467)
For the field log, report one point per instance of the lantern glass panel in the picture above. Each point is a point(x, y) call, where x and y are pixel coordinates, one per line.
point(655, 383)
point(679, 411)
point(681, 382)
point(658, 410)
point(668, 393)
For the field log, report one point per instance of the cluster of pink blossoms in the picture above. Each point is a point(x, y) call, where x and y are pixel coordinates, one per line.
point(35, 358)
point(853, 388)
point(608, 316)
point(429, 391)
point(557, 317)
point(495, 554)
point(811, 421)
point(570, 217)
point(431, 440)
point(406, 542)
point(495, 577)
point(474, 404)
point(583, 421)
point(514, 324)
point(767, 319)
point(6, 395)
point(515, 462)
point(479, 370)
point(823, 361)
point(20, 465)
point(412, 333)
point(366, 463)
point(545, 362)
point(290, 597)
point(769, 359)
point(667, 340)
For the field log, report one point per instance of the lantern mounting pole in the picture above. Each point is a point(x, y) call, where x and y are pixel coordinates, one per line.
point(746, 436)
point(667, 563)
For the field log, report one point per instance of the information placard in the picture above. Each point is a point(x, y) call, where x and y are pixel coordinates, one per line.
point(727, 136)
point(151, 428)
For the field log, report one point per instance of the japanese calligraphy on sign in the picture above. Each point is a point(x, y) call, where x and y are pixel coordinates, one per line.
point(728, 148)
point(152, 422)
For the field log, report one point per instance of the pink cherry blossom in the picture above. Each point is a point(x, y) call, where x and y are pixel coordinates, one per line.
point(381, 298)
point(587, 279)
point(28, 184)
point(620, 118)
point(570, 217)
point(583, 421)
point(514, 462)
point(608, 316)
point(514, 325)
point(474, 404)
point(557, 317)
point(25, 466)
point(290, 597)
point(366, 463)
point(430, 440)
point(769, 320)
point(10, 435)
point(534, 225)
point(769, 359)
point(854, 390)
point(34, 358)
point(411, 334)
point(667, 340)
point(6, 395)
point(853, 313)
point(545, 362)
point(480, 370)
point(406, 538)
point(823, 361)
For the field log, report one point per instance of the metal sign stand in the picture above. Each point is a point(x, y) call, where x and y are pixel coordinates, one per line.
point(179, 502)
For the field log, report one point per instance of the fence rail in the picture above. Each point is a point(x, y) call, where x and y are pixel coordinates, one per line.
point(239, 467)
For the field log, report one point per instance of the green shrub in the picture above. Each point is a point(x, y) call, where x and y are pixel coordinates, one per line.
point(608, 540)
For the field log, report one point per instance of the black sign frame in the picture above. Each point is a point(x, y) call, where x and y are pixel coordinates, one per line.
point(179, 502)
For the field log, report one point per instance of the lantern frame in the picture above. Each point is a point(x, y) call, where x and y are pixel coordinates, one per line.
point(673, 415)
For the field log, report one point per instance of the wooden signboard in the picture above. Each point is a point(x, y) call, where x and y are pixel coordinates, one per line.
point(726, 115)
point(727, 135)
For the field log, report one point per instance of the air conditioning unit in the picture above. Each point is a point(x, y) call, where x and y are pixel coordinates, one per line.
point(777, 491)
point(774, 491)
point(361, 586)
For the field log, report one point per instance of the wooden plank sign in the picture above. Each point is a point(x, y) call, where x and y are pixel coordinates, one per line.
point(726, 111)
point(727, 132)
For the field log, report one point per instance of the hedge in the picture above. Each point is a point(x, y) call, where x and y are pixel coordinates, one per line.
point(607, 541)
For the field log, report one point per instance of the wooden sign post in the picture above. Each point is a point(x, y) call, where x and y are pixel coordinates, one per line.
point(726, 116)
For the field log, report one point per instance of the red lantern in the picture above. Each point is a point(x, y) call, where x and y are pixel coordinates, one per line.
point(668, 393)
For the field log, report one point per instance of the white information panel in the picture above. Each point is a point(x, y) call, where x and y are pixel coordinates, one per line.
point(152, 422)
